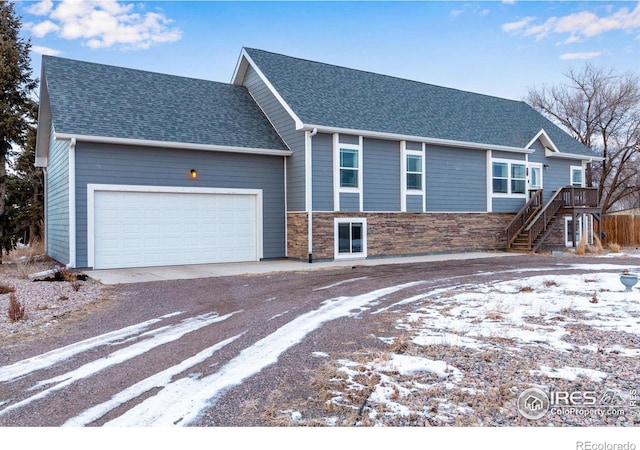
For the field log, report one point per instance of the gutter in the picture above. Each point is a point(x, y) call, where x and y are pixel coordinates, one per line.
point(172, 145)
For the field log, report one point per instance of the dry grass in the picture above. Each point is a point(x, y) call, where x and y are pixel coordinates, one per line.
point(581, 248)
point(614, 247)
point(33, 251)
point(16, 308)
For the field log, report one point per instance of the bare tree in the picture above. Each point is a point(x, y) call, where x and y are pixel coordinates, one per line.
point(601, 109)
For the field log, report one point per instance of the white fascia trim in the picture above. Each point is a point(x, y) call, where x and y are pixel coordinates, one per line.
point(92, 188)
point(239, 75)
point(173, 145)
point(552, 151)
point(584, 158)
point(427, 140)
point(546, 141)
point(72, 204)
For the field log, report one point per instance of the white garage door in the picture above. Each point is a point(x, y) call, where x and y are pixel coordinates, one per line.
point(142, 229)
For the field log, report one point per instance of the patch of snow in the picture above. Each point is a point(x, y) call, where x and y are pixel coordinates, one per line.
point(570, 373)
point(350, 280)
point(26, 366)
point(410, 365)
point(182, 401)
point(320, 354)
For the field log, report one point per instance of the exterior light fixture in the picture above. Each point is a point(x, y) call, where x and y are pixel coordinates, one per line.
point(194, 173)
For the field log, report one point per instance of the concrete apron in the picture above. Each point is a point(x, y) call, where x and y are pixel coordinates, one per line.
point(145, 274)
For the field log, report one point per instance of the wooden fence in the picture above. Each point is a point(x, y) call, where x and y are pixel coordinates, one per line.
point(622, 229)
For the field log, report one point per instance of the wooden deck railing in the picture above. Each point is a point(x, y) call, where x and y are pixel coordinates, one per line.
point(580, 197)
point(522, 218)
point(567, 198)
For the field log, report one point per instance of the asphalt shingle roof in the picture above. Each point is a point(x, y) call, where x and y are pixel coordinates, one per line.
point(99, 100)
point(333, 96)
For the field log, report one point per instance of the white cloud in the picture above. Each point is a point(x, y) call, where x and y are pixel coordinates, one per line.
point(104, 23)
point(584, 24)
point(41, 8)
point(44, 50)
point(518, 25)
point(41, 29)
point(582, 55)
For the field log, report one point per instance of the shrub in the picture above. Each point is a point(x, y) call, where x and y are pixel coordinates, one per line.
point(5, 289)
point(16, 309)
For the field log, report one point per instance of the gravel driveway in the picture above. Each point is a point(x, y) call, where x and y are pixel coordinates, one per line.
point(268, 349)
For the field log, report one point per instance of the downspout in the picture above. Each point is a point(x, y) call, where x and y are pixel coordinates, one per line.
point(309, 194)
point(72, 204)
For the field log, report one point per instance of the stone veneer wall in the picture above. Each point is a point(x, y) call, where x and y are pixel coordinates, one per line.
point(297, 226)
point(396, 234)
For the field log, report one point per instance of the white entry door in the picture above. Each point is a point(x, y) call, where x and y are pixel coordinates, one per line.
point(142, 229)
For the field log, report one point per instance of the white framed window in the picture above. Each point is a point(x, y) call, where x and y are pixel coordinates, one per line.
point(535, 176)
point(350, 237)
point(347, 170)
point(349, 167)
point(577, 176)
point(414, 178)
point(509, 178)
point(412, 175)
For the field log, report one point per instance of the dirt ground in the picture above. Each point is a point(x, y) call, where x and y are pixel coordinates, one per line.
point(294, 390)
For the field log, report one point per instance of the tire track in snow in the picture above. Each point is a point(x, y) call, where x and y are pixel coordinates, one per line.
point(161, 336)
point(26, 366)
point(158, 380)
point(182, 401)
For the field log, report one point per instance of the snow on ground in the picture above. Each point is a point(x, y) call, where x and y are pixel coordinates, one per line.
point(520, 327)
point(464, 353)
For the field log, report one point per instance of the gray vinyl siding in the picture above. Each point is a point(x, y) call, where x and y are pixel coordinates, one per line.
point(558, 172)
point(349, 202)
point(127, 165)
point(285, 126)
point(322, 172)
point(414, 203)
point(508, 205)
point(414, 146)
point(57, 220)
point(508, 155)
point(381, 175)
point(348, 139)
point(456, 180)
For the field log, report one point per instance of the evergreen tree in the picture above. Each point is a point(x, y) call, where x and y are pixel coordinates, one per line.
point(16, 84)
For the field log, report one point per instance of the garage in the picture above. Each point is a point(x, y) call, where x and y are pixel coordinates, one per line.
point(138, 227)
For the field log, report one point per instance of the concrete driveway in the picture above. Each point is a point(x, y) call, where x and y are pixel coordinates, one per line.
point(145, 274)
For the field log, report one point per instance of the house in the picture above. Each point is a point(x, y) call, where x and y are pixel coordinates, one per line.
point(293, 159)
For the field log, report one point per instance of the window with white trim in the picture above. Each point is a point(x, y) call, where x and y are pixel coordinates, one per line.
point(349, 167)
point(414, 171)
point(577, 176)
point(350, 236)
point(509, 178)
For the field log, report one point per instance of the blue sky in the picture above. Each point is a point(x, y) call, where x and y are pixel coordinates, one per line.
point(493, 47)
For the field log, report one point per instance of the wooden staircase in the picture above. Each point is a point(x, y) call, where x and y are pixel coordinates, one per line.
point(534, 222)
